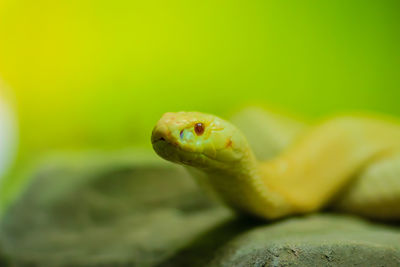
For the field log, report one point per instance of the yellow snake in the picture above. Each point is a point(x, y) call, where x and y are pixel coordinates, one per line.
point(349, 162)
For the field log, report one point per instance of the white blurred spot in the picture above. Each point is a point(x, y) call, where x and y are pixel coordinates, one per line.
point(8, 132)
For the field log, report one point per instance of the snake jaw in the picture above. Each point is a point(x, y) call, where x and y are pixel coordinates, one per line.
point(210, 150)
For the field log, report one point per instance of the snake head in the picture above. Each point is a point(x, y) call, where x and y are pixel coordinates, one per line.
point(197, 139)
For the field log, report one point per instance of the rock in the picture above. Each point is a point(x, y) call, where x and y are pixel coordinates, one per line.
point(107, 213)
point(126, 211)
point(317, 240)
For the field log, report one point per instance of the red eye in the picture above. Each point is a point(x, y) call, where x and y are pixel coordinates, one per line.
point(199, 128)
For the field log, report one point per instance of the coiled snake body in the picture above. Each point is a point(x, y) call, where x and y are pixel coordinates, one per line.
point(349, 162)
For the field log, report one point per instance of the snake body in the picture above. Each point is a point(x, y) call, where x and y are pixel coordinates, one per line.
point(349, 162)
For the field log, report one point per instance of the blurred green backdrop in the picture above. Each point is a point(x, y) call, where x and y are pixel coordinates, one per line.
point(98, 74)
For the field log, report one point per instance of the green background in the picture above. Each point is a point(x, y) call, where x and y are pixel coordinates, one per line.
point(98, 74)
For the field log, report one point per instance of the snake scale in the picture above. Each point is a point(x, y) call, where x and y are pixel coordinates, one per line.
point(271, 165)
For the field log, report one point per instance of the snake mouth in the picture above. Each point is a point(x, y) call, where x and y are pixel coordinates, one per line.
point(175, 153)
point(162, 140)
point(157, 140)
point(172, 152)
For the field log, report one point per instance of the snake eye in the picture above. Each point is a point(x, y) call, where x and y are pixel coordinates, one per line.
point(199, 128)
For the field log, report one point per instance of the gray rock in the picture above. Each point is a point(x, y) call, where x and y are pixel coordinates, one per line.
point(317, 240)
point(109, 213)
point(127, 211)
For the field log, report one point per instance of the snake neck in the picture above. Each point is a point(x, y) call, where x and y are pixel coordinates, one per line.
point(242, 187)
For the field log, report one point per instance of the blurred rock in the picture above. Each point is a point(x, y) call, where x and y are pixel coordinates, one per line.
point(106, 214)
point(149, 213)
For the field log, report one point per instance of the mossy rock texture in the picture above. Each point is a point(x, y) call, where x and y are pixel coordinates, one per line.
point(126, 211)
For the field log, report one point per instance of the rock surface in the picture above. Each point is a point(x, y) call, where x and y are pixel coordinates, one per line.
point(130, 212)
